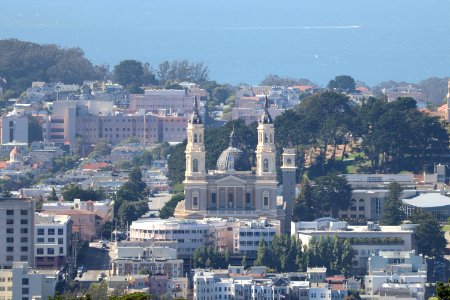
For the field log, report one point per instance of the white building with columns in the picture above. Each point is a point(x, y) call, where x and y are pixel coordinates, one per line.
point(233, 189)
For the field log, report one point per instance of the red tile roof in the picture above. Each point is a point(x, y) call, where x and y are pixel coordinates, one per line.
point(95, 166)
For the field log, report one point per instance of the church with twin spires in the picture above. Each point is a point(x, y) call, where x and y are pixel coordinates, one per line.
point(233, 189)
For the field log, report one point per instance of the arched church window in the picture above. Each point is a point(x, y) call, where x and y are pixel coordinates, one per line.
point(195, 138)
point(288, 161)
point(199, 138)
point(266, 165)
point(195, 165)
point(265, 138)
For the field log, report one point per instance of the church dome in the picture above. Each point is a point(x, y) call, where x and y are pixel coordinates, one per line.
point(233, 158)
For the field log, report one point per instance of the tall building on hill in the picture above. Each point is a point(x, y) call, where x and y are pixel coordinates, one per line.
point(233, 189)
point(16, 231)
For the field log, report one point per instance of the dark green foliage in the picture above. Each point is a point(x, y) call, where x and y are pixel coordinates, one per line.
point(429, 236)
point(393, 213)
point(329, 194)
point(169, 208)
point(101, 148)
point(217, 140)
point(132, 296)
point(74, 191)
point(210, 257)
point(182, 71)
point(275, 80)
point(64, 163)
point(53, 196)
point(221, 94)
point(342, 83)
point(34, 130)
point(130, 74)
point(396, 136)
point(443, 290)
point(333, 194)
point(130, 211)
point(304, 208)
point(21, 63)
point(335, 254)
point(177, 163)
point(134, 189)
point(284, 254)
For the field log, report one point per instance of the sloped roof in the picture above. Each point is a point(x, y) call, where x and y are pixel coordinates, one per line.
point(428, 200)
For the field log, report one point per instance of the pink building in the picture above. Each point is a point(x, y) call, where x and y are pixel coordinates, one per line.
point(171, 100)
point(85, 223)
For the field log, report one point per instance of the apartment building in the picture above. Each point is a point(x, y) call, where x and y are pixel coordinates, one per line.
point(52, 240)
point(238, 284)
point(396, 270)
point(29, 284)
point(14, 128)
point(365, 240)
point(131, 258)
point(17, 231)
point(171, 100)
point(237, 237)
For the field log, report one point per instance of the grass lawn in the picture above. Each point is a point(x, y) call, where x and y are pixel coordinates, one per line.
point(446, 228)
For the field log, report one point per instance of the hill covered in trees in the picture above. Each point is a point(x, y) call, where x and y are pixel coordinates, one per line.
point(21, 63)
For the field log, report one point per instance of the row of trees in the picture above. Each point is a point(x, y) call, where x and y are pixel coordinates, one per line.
point(21, 63)
point(394, 136)
point(329, 194)
point(286, 254)
point(210, 257)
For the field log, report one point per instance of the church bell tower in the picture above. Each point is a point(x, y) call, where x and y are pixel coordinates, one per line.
point(195, 148)
point(265, 150)
point(288, 170)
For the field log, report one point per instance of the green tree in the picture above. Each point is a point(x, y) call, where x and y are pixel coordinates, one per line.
point(429, 236)
point(53, 196)
point(392, 212)
point(101, 148)
point(35, 132)
point(74, 191)
point(168, 209)
point(305, 204)
point(134, 189)
point(98, 291)
point(443, 290)
point(264, 255)
point(334, 193)
point(343, 83)
point(221, 94)
point(129, 73)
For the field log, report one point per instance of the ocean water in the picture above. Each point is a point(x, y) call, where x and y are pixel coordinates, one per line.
point(244, 40)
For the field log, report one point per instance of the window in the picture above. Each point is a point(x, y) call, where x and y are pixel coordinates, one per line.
point(51, 240)
point(60, 231)
point(9, 249)
point(23, 230)
point(195, 199)
point(61, 250)
point(40, 231)
point(50, 251)
point(10, 240)
point(361, 208)
point(288, 161)
point(10, 212)
point(25, 291)
point(248, 200)
point(25, 281)
point(60, 241)
point(40, 240)
point(230, 200)
point(195, 165)
point(24, 221)
point(195, 138)
point(9, 221)
point(9, 230)
point(40, 251)
point(51, 231)
point(266, 166)
point(24, 239)
point(213, 200)
point(266, 199)
point(24, 212)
